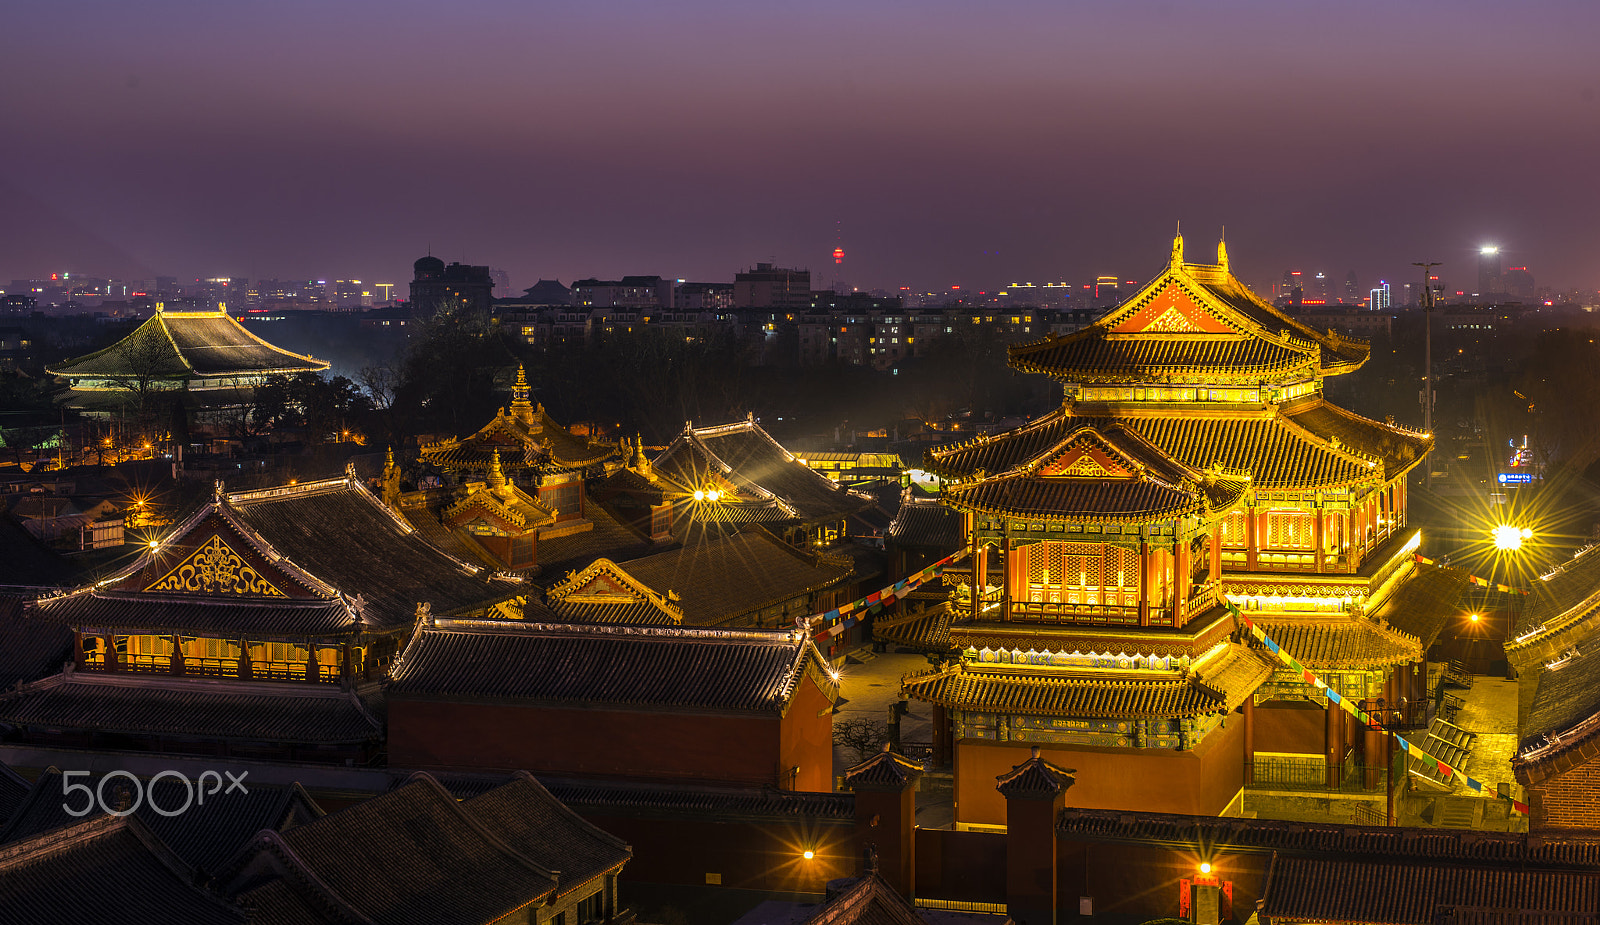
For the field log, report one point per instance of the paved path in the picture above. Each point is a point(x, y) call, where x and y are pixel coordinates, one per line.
point(869, 684)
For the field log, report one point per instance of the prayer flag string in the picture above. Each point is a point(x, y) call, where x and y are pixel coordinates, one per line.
point(850, 614)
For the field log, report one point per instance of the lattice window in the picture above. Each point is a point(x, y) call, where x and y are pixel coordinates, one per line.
point(1233, 530)
point(1289, 530)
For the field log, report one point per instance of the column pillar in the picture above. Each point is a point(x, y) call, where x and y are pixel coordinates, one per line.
point(1372, 748)
point(1252, 537)
point(112, 662)
point(1180, 579)
point(1145, 578)
point(177, 654)
point(246, 670)
point(1333, 743)
point(1035, 791)
point(1215, 565)
point(1005, 566)
point(1318, 539)
point(886, 815)
point(1248, 709)
point(79, 658)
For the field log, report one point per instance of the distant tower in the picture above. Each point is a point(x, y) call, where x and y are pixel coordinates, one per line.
point(435, 285)
point(1489, 273)
point(838, 256)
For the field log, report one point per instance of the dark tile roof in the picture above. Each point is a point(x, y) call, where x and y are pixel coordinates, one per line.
point(1565, 713)
point(13, 790)
point(1400, 449)
point(1237, 835)
point(627, 666)
point(927, 629)
point(1340, 643)
point(205, 835)
point(184, 344)
point(209, 615)
point(104, 871)
point(1221, 686)
point(610, 538)
point(30, 647)
point(699, 801)
point(1560, 602)
point(757, 466)
point(340, 533)
point(1425, 604)
point(883, 771)
point(636, 611)
point(1034, 778)
point(1106, 500)
point(1415, 893)
point(720, 576)
point(27, 563)
point(926, 525)
point(301, 714)
point(1277, 454)
point(870, 900)
point(523, 814)
point(413, 856)
point(604, 593)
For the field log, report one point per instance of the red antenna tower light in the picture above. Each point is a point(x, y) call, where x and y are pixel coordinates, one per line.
point(838, 255)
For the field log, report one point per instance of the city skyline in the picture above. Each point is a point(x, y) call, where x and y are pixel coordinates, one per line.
point(954, 147)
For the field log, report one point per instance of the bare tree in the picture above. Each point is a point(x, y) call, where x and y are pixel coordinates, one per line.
point(864, 737)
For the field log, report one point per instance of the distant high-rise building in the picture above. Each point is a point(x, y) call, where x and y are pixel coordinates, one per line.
point(1489, 281)
point(435, 285)
point(768, 286)
point(1518, 283)
point(1319, 288)
point(1352, 289)
point(1106, 287)
point(502, 280)
point(1378, 299)
point(1293, 289)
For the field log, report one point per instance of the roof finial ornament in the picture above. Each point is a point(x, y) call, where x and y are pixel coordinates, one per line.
point(1222, 249)
point(216, 492)
point(1177, 246)
point(521, 408)
point(497, 476)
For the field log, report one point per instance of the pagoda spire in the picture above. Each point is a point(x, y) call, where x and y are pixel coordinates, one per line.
point(1177, 246)
point(521, 407)
point(497, 476)
point(1222, 249)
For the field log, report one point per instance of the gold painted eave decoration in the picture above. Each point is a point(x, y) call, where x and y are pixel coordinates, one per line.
point(215, 568)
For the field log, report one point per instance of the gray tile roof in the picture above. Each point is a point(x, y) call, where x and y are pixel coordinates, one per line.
point(30, 647)
point(526, 816)
point(1417, 893)
point(646, 667)
point(758, 467)
point(104, 871)
point(300, 714)
point(216, 615)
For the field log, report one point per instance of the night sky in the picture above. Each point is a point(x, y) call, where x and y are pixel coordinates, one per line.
point(939, 142)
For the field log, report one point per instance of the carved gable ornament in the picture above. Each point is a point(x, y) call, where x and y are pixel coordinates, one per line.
point(215, 568)
point(1087, 458)
point(1172, 311)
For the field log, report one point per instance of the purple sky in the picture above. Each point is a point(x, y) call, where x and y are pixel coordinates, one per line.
point(953, 142)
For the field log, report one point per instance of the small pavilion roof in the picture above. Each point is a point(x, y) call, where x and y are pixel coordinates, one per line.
point(760, 473)
point(1217, 685)
point(182, 345)
point(524, 436)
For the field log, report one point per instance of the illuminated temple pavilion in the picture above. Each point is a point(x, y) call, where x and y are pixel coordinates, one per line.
point(1193, 460)
point(202, 358)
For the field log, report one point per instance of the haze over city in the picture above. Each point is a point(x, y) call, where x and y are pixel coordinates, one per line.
point(938, 144)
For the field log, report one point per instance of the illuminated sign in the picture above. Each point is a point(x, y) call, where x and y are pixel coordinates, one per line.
point(1515, 478)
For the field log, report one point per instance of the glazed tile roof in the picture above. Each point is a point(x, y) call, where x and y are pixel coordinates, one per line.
point(525, 436)
point(185, 344)
point(413, 856)
point(869, 900)
point(1056, 692)
point(638, 611)
point(925, 524)
point(1425, 603)
point(340, 533)
point(104, 871)
point(605, 593)
point(1035, 777)
point(205, 835)
point(1400, 449)
point(883, 771)
point(524, 815)
point(31, 647)
point(1419, 893)
point(743, 455)
point(155, 705)
point(1565, 713)
point(720, 576)
point(927, 629)
point(1236, 835)
point(209, 615)
point(1107, 500)
point(1277, 454)
point(1088, 356)
point(1338, 643)
point(639, 667)
point(1561, 603)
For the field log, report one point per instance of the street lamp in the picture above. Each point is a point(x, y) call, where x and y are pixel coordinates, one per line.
point(1508, 538)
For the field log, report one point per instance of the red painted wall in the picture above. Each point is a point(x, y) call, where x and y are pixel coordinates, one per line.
point(551, 740)
point(805, 739)
point(1200, 781)
point(1290, 726)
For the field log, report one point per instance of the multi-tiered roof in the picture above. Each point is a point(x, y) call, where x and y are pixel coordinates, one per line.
point(524, 437)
